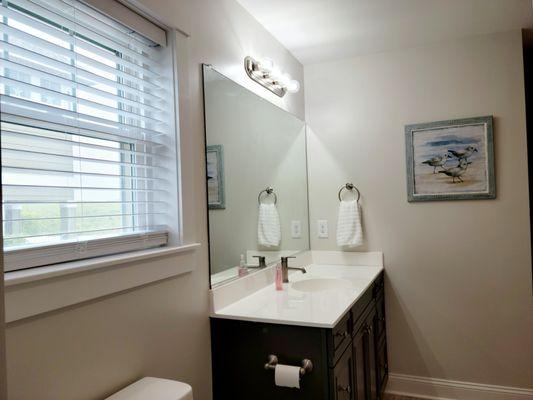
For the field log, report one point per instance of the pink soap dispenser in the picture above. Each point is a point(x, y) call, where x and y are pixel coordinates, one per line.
point(279, 278)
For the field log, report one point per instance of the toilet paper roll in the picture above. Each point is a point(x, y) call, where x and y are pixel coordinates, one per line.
point(287, 376)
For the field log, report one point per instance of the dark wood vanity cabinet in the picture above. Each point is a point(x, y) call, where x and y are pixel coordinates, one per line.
point(349, 361)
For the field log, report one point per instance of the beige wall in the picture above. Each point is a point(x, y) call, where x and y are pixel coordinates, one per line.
point(459, 297)
point(88, 351)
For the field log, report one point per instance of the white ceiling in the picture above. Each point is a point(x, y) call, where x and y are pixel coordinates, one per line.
point(320, 30)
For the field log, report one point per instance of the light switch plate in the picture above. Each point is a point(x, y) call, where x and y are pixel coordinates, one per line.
point(296, 229)
point(322, 227)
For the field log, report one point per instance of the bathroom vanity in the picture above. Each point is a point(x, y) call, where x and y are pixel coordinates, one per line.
point(341, 330)
point(331, 320)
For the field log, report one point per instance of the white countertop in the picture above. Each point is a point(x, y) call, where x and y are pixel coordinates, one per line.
point(292, 307)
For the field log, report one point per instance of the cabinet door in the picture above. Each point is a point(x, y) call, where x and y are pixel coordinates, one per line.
point(343, 377)
point(382, 367)
point(359, 365)
point(370, 356)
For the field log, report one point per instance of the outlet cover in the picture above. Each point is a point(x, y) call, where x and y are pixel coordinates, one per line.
point(322, 227)
point(296, 229)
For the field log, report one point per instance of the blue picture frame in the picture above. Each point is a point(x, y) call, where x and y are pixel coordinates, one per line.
point(450, 160)
point(216, 195)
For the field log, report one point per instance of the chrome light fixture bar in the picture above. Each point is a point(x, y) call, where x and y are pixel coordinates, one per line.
point(270, 76)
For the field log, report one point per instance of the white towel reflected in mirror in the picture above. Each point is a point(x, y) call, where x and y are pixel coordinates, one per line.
point(268, 226)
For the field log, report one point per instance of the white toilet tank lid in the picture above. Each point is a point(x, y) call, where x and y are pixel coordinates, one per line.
point(154, 389)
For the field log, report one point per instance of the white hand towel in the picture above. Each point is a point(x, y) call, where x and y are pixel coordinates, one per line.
point(268, 226)
point(349, 231)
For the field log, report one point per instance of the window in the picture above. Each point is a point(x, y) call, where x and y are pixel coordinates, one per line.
point(88, 135)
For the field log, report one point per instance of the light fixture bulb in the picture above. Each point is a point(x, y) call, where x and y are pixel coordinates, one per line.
point(266, 64)
point(275, 73)
point(285, 79)
point(293, 86)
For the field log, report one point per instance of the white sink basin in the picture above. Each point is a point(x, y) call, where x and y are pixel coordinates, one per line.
point(321, 285)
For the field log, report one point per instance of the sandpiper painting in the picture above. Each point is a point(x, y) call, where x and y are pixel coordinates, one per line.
point(450, 160)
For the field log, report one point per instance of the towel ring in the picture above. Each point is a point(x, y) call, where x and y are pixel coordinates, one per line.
point(269, 191)
point(351, 187)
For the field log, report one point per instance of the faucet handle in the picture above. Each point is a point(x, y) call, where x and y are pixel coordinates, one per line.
point(262, 261)
point(285, 260)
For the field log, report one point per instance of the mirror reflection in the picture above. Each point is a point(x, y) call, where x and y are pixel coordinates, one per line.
point(256, 179)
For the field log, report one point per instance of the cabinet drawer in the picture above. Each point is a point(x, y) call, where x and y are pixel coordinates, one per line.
point(338, 338)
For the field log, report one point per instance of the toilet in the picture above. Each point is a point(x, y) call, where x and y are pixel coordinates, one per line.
point(154, 389)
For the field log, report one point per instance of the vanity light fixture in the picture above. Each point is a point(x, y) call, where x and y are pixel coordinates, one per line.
point(267, 74)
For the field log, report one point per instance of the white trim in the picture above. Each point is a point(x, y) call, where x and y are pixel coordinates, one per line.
point(442, 389)
point(133, 20)
point(51, 271)
point(32, 292)
point(70, 251)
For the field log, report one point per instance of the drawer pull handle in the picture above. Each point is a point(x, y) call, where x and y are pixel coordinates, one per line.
point(342, 334)
point(307, 365)
point(346, 389)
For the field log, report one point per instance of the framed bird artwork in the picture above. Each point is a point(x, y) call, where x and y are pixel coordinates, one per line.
point(450, 160)
point(216, 195)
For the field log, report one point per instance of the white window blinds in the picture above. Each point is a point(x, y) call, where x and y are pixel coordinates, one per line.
point(87, 137)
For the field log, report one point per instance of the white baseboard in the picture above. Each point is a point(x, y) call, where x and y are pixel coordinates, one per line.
point(441, 389)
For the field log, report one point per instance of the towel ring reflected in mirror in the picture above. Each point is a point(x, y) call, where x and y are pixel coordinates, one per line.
point(269, 192)
point(351, 187)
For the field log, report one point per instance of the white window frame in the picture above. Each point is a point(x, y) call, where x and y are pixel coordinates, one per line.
point(39, 290)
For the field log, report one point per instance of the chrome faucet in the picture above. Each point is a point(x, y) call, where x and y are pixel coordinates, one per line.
point(285, 268)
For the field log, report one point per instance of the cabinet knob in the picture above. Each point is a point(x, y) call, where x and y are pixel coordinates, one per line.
point(342, 334)
point(346, 388)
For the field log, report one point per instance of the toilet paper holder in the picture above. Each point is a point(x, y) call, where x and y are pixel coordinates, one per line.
point(307, 365)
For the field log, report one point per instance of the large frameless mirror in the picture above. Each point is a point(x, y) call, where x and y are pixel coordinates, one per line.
point(256, 179)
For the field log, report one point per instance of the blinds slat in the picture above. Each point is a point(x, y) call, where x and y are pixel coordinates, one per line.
point(80, 217)
point(7, 133)
point(89, 202)
point(39, 187)
point(72, 27)
point(75, 102)
point(79, 73)
point(87, 232)
point(32, 41)
point(75, 85)
point(36, 123)
point(14, 105)
point(48, 156)
point(23, 170)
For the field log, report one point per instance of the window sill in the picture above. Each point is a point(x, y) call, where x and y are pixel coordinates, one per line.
point(38, 290)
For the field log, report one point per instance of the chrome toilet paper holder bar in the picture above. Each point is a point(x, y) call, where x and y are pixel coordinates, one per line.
point(307, 365)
